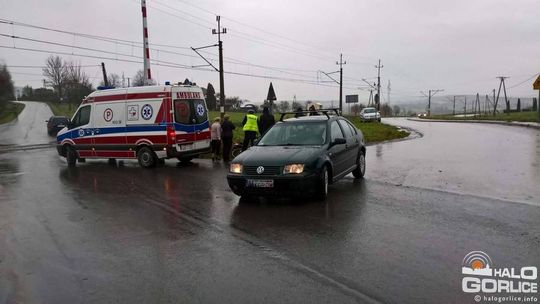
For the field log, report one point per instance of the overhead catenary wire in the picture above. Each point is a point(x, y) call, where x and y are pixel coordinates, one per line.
point(172, 65)
point(139, 45)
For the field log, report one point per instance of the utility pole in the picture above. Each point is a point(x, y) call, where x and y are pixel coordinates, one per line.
point(388, 92)
point(340, 82)
point(378, 96)
point(502, 84)
point(146, 48)
point(465, 107)
point(431, 93)
point(341, 63)
point(477, 105)
point(454, 108)
point(218, 32)
point(129, 84)
point(105, 80)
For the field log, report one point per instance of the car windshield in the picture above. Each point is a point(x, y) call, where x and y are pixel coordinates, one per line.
point(295, 134)
point(370, 110)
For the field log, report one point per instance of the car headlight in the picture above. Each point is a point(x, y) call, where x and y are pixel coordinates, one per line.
point(235, 168)
point(293, 169)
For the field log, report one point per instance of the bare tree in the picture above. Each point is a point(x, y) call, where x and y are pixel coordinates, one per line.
point(114, 81)
point(283, 106)
point(75, 74)
point(77, 84)
point(56, 73)
point(295, 105)
point(138, 79)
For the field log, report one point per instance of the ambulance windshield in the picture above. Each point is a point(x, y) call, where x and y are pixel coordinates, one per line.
point(190, 111)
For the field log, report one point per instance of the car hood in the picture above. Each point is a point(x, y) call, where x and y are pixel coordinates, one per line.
point(278, 155)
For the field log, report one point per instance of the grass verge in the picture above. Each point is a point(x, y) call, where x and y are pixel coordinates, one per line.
point(373, 132)
point(517, 116)
point(63, 109)
point(9, 111)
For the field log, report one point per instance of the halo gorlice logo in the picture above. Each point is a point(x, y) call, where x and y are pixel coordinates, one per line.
point(477, 263)
point(482, 277)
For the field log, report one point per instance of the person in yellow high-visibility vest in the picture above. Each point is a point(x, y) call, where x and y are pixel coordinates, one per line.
point(250, 129)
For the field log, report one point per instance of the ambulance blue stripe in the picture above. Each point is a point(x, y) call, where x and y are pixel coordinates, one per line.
point(136, 128)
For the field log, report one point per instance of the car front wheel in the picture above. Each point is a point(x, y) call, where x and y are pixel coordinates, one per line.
point(322, 189)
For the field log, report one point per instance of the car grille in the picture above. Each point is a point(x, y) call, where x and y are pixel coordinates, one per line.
point(268, 170)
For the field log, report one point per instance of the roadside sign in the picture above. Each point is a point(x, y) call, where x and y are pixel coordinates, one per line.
point(536, 84)
point(351, 98)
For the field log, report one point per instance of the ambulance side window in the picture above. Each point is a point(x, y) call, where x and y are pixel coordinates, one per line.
point(182, 111)
point(81, 118)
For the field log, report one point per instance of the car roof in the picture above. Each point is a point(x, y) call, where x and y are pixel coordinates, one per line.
point(310, 118)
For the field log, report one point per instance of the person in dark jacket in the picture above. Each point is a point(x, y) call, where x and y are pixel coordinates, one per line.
point(299, 113)
point(227, 128)
point(265, 121)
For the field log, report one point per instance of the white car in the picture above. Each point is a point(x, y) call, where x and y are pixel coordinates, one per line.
point(370, 114)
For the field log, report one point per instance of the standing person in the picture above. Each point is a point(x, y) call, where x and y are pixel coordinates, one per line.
point(266, 121)
point(227, 128)
point(299, 112)
point(313, 111)
point(215, 136)
point(250, 129)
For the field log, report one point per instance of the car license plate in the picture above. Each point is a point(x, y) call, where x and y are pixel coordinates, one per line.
point(260, 183)
point(185, 147)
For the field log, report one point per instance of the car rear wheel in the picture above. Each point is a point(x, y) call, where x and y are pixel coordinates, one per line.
point(360, 166)
point(322, 189)
point(146, 157)
point(71, 156)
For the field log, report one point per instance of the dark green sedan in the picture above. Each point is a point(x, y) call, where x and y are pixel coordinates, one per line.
point(299, 156)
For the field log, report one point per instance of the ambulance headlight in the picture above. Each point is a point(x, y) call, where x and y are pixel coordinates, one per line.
point(235, 168)
point(293, 169)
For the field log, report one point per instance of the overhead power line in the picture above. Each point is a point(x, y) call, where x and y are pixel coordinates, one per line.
point(137, 44)
point(173, 65)
point(524, 81)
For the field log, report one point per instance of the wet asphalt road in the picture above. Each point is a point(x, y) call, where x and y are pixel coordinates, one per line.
point(176, 234)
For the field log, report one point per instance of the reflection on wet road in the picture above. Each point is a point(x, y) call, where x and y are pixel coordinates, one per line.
point(486, 160)
point(98, 233)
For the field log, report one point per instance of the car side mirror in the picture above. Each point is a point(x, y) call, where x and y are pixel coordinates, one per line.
point(338, 141)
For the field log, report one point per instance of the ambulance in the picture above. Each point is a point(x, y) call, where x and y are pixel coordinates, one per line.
point(150, 124)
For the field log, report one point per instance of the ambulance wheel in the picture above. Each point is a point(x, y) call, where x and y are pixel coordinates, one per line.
point(71, 156)
point(146, 157)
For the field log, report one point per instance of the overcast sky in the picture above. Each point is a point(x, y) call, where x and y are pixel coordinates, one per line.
point(459, 46)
